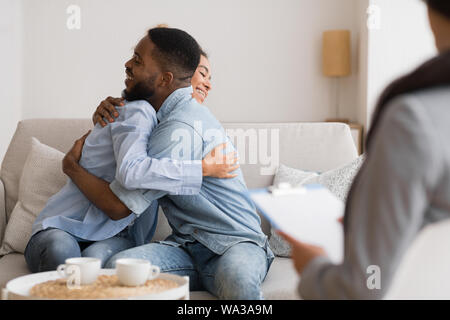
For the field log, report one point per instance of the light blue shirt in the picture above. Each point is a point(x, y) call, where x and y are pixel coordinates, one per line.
point(222, 213)
point(111, 153)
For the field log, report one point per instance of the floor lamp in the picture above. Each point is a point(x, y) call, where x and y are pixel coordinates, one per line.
point(336, 61)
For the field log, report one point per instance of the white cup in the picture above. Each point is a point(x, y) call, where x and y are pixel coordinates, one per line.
point(80, 271)
point(135, 272)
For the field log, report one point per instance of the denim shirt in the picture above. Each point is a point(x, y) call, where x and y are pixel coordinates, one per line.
point(222, 213)
point(110, 153)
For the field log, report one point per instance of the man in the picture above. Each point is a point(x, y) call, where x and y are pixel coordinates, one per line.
point(71, 225)
point(217, 239)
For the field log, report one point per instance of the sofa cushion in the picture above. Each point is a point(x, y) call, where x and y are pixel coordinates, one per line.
point(282, 281)
point(42, 177)
point(338, 181)
point(262, 147)
point(56, 133)
point(423, 269)
point(293, 176)
point(12, 265)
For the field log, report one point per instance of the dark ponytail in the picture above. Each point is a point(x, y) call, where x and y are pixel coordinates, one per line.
point(441, 6)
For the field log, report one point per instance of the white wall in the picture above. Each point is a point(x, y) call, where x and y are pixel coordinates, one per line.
point(265, 54)
point(10, 66)
point(403, 41)
point(362, 44)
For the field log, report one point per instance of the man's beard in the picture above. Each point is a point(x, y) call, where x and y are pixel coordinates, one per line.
point(143, 90)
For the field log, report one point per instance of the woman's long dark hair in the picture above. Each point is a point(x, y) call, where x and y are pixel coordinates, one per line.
point(433, 73)
point(441, 6)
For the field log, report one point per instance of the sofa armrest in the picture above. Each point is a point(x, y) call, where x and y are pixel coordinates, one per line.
point(2, 211)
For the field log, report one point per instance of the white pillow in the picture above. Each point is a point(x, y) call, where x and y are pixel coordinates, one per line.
point(338, 181)
point(293, 176)
point(42, 177)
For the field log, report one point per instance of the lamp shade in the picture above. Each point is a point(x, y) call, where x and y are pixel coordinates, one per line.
point(336, 53)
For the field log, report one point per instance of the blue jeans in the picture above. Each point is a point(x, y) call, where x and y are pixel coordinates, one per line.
point(51, 247)
point(237, 274)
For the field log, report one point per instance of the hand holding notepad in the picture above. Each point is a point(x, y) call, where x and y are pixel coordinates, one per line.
point(309, 214)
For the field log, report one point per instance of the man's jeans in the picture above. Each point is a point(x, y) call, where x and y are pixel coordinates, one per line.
point(237, 274)
point(51, 247)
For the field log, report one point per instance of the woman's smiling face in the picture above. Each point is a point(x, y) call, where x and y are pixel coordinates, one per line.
point(201, 80)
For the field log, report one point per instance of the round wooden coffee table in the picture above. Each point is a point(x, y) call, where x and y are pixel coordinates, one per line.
point(19, 288)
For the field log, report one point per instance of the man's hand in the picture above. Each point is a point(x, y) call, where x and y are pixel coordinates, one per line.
point(219, 165)
point(95, 189)
point(301, 252)
point(73, 156)
point(107, 110)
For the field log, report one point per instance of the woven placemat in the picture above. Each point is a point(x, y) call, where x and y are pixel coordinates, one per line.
point(105, 287)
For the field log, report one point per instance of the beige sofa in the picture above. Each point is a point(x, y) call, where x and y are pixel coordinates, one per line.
point(309, 146)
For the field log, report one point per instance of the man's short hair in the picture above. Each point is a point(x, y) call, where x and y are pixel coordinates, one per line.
point(175, 51)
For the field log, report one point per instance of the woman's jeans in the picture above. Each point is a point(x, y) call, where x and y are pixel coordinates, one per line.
point(51, 247)
point(236, 274)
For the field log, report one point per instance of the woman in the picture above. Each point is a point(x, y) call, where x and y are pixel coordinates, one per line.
point(201, 85)
point(201, 80)
point(403, 185)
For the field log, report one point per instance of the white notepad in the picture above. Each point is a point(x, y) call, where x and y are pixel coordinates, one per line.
point(310, 216)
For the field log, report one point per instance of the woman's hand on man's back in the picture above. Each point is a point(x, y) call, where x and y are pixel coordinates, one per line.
point(107, 110)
